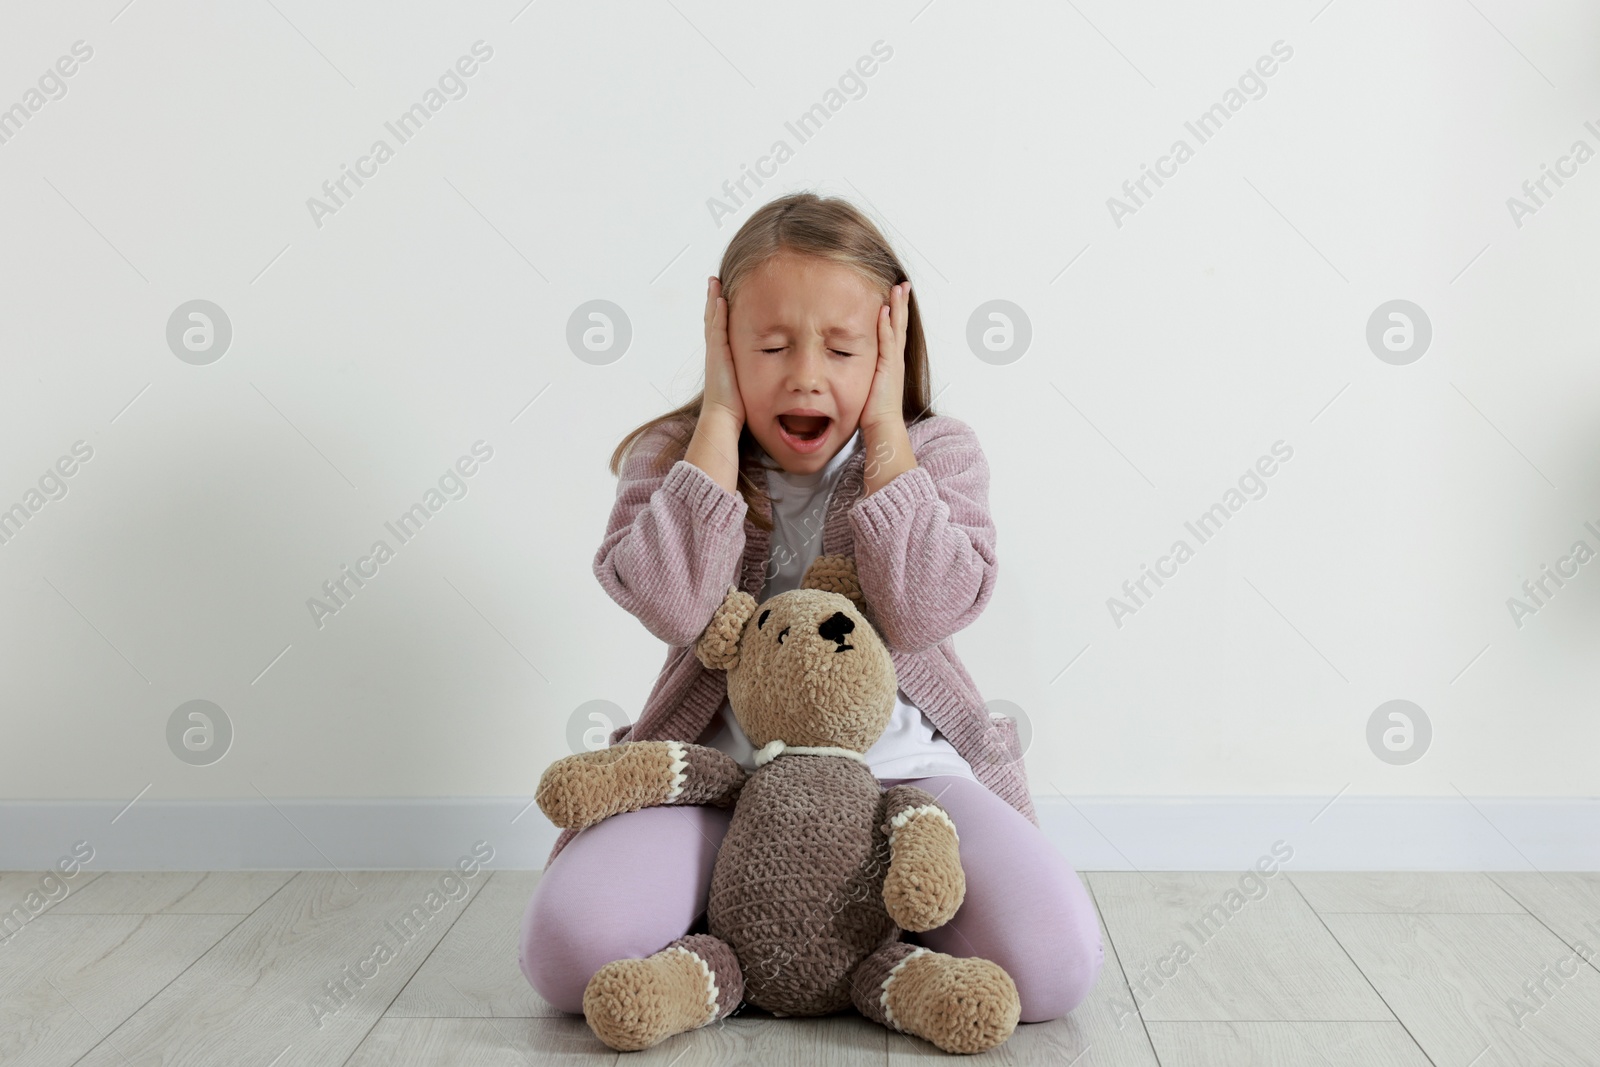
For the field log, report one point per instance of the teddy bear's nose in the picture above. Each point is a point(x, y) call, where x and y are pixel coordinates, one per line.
point(837, 627)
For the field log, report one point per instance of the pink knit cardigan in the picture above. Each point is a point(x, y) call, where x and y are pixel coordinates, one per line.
point(924, 548)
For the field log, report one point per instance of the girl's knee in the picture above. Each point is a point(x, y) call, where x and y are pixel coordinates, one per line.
point(564, 943)
point(546, 957)
point(1059, 952)
point(1076, 955)
point(591, 906)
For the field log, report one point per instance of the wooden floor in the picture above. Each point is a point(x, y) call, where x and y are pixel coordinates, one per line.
point(134, 969)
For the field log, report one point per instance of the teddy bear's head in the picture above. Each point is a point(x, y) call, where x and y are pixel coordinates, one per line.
point(805, 667)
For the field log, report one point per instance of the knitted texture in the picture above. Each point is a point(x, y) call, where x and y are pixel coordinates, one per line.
point(634, 1004)
point(922, 888)
point(578, 791)
point(718, 647)
point(722, 966)
point(797, 887)
point(924, 546)
point(960, 1003)
point(869, 986)
point(836, 576)
point(773, 749)
point(819, 863)
point(810, 670)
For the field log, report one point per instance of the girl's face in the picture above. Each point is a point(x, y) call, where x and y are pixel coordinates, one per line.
point(804, 335)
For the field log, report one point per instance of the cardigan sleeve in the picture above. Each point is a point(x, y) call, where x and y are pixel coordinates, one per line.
point(673, 544)
point(925, 542)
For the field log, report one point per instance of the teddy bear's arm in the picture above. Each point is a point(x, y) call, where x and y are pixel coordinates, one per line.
point(925, 883)
point(578, 791)
point(710, 776)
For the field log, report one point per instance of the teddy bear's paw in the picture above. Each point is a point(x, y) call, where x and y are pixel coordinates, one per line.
point(578, 791)
point(920, 899)
point(962, 1004)
point(636, 1004)
point(921, 893)
point(925, 884)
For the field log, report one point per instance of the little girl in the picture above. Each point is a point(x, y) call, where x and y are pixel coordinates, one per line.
point(814, 434)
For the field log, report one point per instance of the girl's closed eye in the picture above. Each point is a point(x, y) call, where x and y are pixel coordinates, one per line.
point(834, 350)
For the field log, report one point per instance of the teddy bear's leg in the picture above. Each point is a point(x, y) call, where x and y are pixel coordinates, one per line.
point(633, 1004)
point(960, 1003)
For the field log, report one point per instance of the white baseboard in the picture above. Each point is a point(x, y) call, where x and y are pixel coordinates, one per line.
point(1094, 833)
point(1353, 833)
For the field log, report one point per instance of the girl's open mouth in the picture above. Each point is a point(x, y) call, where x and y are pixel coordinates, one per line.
point(804, 433)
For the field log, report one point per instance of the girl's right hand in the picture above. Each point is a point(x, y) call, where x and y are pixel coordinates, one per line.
point(722, 384)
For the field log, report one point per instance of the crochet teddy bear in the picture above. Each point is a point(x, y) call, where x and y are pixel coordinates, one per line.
point(821, 869)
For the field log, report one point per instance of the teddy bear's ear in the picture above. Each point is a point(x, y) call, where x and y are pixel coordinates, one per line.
point(718, 647)
point(835, 574)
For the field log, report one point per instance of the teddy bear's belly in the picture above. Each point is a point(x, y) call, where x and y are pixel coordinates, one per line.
point(797, 888)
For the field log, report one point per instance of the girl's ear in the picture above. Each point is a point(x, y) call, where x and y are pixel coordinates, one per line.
point(718, 647)
point(835, 574)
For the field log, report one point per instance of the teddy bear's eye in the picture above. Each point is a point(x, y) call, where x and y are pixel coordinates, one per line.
point(781, 633)
point(763, 620)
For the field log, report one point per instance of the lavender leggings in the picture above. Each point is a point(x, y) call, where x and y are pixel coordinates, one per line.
point(625, 887)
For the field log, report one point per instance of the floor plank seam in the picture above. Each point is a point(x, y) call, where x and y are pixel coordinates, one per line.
point(1364, 976)
point(134, 1014)
point(1117, 955)
point(1592, 960)
point(384, 1014)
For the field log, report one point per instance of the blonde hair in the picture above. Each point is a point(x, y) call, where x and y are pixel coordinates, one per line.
point(828, 227)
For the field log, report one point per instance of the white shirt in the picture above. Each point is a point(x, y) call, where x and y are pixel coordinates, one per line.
point(911, 746)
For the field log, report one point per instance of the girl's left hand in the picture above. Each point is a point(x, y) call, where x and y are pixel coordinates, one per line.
point(885, 401)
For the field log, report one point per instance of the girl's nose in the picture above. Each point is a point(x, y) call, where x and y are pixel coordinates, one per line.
point(805, 368)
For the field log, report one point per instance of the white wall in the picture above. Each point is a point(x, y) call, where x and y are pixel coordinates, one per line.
point(1171, 348)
